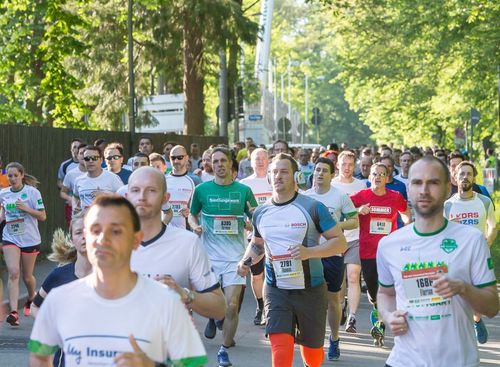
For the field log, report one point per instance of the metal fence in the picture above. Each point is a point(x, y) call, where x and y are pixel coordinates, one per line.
point(42, 149)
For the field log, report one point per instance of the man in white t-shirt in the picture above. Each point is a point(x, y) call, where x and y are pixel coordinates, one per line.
point(433, 275)
point(180, 186)
point(473, 209)
point(345, 182)
point(172, 255)
point(96, 181)
point(69, 179)
point(116, 317)
point(405, 161)
point(340, 206)
point(262, 190)
point(206, 172)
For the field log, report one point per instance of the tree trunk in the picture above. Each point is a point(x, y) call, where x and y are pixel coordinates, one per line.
point(193, 82)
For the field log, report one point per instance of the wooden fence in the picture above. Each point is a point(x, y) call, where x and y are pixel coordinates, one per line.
point(42, 149)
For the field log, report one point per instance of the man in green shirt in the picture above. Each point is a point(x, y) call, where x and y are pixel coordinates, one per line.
point(217, 214)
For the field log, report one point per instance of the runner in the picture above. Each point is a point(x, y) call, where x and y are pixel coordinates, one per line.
point(157, 161)
point(194, 156)
point(262, 190)
point(306, 166)
point(222, 205)
point(22, 208)
point(454, 159)
point(378, 208)
point(340, 206)
point(433, 275)
point(287, 229)
point(280, 146)
point(171, 255)
point(365, 164)
point(73, 265)
point(180, 186)
point(96, 181)
point(394, 184)
point(345, 182)
point(245, 165)
point(167, 147)
point(4, 180)
point(405, 161)
point(69, 180)
point(100, 328)
point(145, 147)
point(470, 208)
point(113, 154)
point(206, 173)
point(64, 168)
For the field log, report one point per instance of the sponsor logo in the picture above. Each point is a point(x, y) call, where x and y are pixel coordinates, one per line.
point(24, 196)
point(298, 225)
point(448, 245)
point(380, 210)
point(74, 352)
point(223, 200)
point(101, 353)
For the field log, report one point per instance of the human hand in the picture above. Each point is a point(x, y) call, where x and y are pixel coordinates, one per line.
point(137, 358)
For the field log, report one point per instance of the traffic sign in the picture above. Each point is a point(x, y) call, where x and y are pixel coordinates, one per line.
point(255, 117)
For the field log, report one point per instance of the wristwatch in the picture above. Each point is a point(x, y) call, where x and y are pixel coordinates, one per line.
point(189, 296)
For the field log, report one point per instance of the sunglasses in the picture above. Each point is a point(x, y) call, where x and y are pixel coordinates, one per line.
point(177, 157)
point(375, 174)
point(113, 157)
point(91, 158)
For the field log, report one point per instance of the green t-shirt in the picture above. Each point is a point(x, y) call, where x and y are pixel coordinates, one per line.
point(223, 209)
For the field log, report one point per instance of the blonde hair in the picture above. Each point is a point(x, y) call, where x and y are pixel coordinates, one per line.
point(27, 179)
point(63, 251)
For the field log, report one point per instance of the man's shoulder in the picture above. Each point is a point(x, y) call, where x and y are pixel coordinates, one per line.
point(397, 237)
point(180, 236)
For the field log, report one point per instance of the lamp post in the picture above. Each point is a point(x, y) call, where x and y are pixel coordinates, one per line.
point(131, 77)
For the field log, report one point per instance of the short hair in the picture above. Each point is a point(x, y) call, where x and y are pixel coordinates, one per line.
point(466, 163)
point(99, 141)
point(147, 138)
point(287, 157)
point(327, 161)
point(282, 142)
point(224, 151)
point(388, 157)
point(141, 155)
point(94, 148)
point(333, 146)
point(155, 157)
point(76, 139)
point(114, 200)
point(115, 145)
point(432, 159)
point(454, 155)
point(347, 154)
point(406, 152)
point(82, 145)
point(172, 143)
point(378, 164)
point(208, 151)
point(257, 151)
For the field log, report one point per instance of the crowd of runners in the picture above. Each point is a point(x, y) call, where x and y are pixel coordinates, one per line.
point(161, 235)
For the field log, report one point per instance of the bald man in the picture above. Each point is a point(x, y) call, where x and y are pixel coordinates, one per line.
point(172, 255)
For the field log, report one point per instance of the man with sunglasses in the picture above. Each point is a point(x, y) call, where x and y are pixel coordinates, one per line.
point(113, 154)
point(96, 181)
point(378, 210)
point(180, 186)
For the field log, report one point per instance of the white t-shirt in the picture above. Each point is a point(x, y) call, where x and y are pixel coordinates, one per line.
point(92, 330)
point(178, 253)
point(181, 190)
point(70, 178)
point(477, 212)
point(206, 176)
point(261, 188)
point(86, 187)
point(350, 188)
point(21, 228)
point(404, 180)
point(441, 332)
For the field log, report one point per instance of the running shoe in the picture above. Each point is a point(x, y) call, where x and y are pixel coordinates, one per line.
point(210, 329)
point(343, 318)
point(219, 324)
point(27, 308)
point(351, 325)
point(374, 316)
point(257, 320)
point(481, 331)
point(334, 349)
point(377, 332)
point(13, 318)
point(223, 358)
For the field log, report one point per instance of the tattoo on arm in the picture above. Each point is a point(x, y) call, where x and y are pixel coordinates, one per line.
point(258, 250)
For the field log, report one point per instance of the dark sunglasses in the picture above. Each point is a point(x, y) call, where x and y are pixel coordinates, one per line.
point(113, 157)
point(177, 157)
point(91, 158)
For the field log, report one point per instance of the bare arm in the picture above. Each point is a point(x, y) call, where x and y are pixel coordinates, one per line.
point(40, 361)
point(406, 215)
point(255, 250)
point(34, 308)
point(393, 318)
point(195, 224)
point(167, 216)
point(37, 214)
point(350, 223)
point(64, 194)
point(492, 228)
point(482, 300)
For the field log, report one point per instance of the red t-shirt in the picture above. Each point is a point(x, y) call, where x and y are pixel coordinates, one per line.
point(381, 221)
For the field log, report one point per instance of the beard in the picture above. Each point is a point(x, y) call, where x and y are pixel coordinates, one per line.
point(466, 186)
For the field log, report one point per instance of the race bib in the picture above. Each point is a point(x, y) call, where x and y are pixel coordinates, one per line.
point(16, 227)
point(380, 226)
point(418, 286)
point(177, 206)
point(262, 198)
point(226, 225)
point(287, 267)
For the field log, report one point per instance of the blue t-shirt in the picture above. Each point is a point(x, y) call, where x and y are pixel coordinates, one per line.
point(124, 174)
